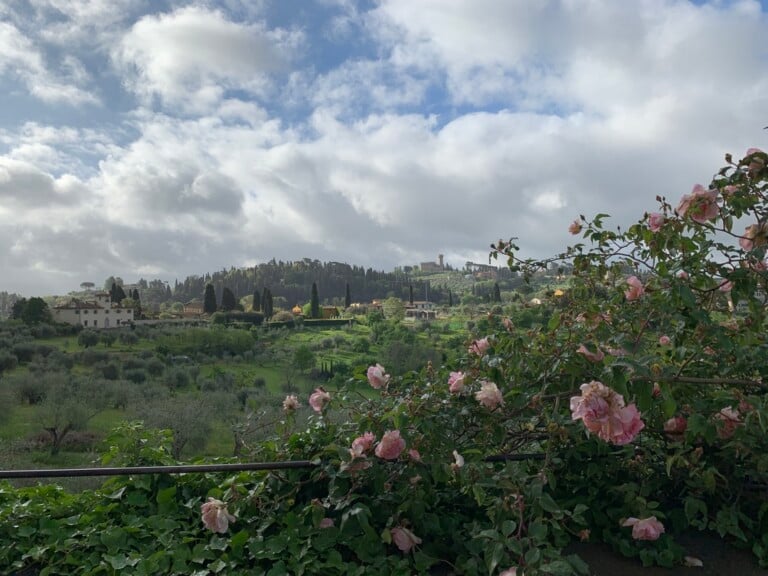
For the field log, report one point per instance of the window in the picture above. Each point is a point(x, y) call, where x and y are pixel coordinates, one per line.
point(85, 322)
point(85, 311)
point(77, 311)
point(106, 311)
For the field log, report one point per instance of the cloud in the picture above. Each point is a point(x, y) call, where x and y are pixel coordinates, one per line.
point(572, 54)
point(23, 186)
point(453, 124)
point(21, 58)
point(193, 56)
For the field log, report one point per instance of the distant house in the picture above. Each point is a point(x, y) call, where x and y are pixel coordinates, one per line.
point(327, 312)
point(193, 308)
point(421, 309)
point(438, 266)
point(98, 311)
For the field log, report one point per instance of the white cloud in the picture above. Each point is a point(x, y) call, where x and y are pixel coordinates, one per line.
point(575, 107)
point(192, 56)
point(21, 57)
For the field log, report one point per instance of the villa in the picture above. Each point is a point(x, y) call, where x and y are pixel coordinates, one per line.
point(96, 312)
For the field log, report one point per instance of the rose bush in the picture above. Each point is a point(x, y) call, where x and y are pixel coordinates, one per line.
point(639, 402)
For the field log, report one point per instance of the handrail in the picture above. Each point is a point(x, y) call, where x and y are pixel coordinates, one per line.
point(202, 468)
point(132, 470)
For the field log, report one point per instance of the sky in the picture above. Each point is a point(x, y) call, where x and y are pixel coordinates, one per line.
point(163, 138)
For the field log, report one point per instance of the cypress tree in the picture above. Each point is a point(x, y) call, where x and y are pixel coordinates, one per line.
point(228, 301)
point(256, 301)
point(347, 297)
point(450, 299)
point(209, 299)
point(496, 292)
point(410, 294)
point(119, 293)
point(268, 307)
point(314, 302)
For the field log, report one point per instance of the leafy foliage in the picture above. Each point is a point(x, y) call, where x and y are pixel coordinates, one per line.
point(637, 400)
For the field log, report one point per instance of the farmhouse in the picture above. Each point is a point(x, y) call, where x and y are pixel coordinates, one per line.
point(96, 312)
point(421, 309)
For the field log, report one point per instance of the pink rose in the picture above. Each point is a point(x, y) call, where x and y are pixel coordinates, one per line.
point(756, 163)
point(665, 340)
point(376, 376)
point(730, 419)
point(489, 395)
point(676, 425)
point(754, 236)
point(509, 572)
point(290, 403)
point(575, 227)
point(603, 412)
point(479, 347)
point(635, 289)
point(645, 529)
point(391, 445)
point(700, 205)
point(729, 190)
point(318, 399)
point(414, 455)
point(458, 461)
point(404, 539)
point(362, 445)
point(215, 515)
point(456, 382)
point(655, 221)
point(589, 355)
point(326, 523)
point(683, 275)
point(759, 266)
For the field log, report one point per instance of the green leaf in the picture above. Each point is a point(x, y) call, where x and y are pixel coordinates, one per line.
point(166, 500)
point(113, 538)
point(557, 567)
point(644, 391)
point(548, 504)
point(533, 556)
point(508, 527)
point(493, 556)
point(668, 405)
point(538, 530)
point(117, 562)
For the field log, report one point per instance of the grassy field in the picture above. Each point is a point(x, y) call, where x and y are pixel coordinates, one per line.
point(261, 378)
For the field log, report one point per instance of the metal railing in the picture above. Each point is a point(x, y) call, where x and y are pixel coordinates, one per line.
point(203, 468)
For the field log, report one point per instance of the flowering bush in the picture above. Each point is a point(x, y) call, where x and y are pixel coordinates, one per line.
point(639, 403)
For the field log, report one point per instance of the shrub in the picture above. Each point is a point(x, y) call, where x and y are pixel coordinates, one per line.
point(135, 375)
point(30, 389)
point(109, 371)
point(155, 367)
point(90, 357)
point(8, 361)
